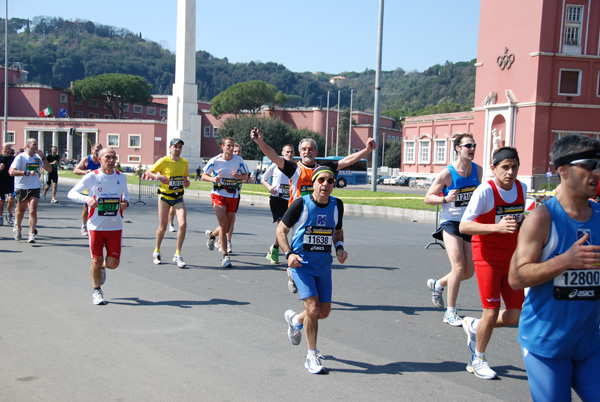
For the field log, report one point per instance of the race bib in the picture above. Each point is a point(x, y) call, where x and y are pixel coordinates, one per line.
point(176, 184)
point(515, 210)
point(318, 239)
point(108, 206)
point(463, 196)
point(577, 284)
point(306, 189)
point(32, 167)
point(230, 185)
point(284, 190)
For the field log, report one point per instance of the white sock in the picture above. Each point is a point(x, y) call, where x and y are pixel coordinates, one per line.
point(295, 321)
point(451, 310)
point(475, 323)
point(437, 286)
point(480, 355)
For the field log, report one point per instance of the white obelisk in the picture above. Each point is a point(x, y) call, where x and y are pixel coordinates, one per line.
point(183, 119)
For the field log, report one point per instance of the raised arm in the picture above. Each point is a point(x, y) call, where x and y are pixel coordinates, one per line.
point(355, 157)
point(266, 149)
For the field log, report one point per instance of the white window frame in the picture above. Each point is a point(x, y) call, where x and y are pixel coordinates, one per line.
point(440, 151)
point(7, 136)
point(138, 109)
point(64, 98)
point(132, 136)
point(207, 132)
point(578, 81)
point(215, 132)
point(151, 111)
point(93, 103)
point(134, 158)
point(409, 151)
point(425, 151)
point(113, 140)
point(572, 35)
point(125, 107)
point(164, 112)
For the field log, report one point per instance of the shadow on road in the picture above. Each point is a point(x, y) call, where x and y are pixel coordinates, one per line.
point(136, 301)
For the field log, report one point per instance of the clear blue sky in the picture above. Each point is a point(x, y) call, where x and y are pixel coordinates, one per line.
point(309, 35)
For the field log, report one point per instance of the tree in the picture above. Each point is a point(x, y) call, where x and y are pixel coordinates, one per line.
point(114, 89)
point(246, 97)
point(393, 154)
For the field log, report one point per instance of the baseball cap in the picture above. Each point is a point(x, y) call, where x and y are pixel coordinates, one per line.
point(176, 141)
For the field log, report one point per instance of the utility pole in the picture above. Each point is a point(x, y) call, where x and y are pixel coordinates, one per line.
point(377, 94)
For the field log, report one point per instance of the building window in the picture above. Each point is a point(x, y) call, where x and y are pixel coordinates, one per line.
point(125, 107)
point(9, 137)
point(134, 158)
point(138, 109)
point(77, 101)
point(151, 111)
point(424, 151)
point(207, 132)
point(77, 114)
point(215, 132)
point(135, 140)
point(164, 112)
point(93, 103)
point(108, 116)
point(409, 152)
point(569, 82)
point(64, 98)
point(439, 151)
point(572, 34)
point(93, 115)
point(113, 140)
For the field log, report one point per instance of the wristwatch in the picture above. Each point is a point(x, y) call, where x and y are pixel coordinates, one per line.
point(443, 199)
point(287, 254)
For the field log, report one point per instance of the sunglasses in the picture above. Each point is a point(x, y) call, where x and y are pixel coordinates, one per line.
point(588, 164)
point(469, 145)
point(321, 180)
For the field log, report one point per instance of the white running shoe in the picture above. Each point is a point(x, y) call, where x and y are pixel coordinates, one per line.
point(294, 334)
point(229, 248)
point(313, 363)
point(480, 368)
point(226, 262)
point(31, 239)
point(17, 234)
point(471, 333)
point(436, 295)
point(211, 241)
point(98, 297)
point(156, 258)
point(292, 286)
point(179, 260)
point(452, 319)
point(53, 201)
point(84, 231)
point(171, 228)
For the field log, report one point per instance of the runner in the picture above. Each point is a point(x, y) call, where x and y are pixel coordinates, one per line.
point(226, 171)
point(278, 185)
point(315, 221)
point(493, 216)
point(172, 172)
point(558, 259)
point(300, 173)
point(85, 166)
point(7, 185)
point(108, 198)
point(54, 160)
point(456, 183)
point(26, 169)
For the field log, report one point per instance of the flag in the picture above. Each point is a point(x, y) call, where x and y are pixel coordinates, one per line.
point(46, 112)
point(63, 113)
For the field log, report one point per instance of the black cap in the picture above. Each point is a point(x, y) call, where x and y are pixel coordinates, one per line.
point(176, 141)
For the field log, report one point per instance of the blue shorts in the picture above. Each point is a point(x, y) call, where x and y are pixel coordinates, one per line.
point(310, 285)
point(552, 379)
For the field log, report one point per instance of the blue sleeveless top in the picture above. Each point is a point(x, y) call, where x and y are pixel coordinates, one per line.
point(561, 317)
point(91, 165)
point(453, 211)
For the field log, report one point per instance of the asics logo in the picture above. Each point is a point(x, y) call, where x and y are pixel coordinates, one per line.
point(492, 300)
point(582, 293)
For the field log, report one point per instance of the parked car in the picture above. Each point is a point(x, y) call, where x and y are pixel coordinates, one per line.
point(388, 180)
point(403, 181)
point(381, 179)
point(395, 180)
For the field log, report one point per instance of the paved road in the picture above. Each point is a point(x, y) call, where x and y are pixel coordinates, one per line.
point(210, 334)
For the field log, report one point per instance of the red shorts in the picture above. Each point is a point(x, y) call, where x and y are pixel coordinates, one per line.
point(111, 239)
point(492, 278)
point(230, 202)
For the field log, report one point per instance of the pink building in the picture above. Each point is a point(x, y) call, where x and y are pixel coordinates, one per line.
point(538, 78)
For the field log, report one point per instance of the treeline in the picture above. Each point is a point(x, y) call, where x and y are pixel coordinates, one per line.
point(56, 51)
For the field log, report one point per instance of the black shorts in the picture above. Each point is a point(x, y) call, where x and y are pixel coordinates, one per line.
point(52, 177)
point(25, 194)
point(278, 207)
point(452, 228)
point(169, 202)
point(7, 187)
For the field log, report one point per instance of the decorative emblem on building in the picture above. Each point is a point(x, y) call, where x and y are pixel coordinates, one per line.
point(505, 61)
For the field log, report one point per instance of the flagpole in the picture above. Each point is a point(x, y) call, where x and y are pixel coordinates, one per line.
point(6, 72)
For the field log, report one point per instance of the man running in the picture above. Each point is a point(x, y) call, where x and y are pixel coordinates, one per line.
point(7, 185)
point(315, 221)
point(494, 216)
point(54, 160)
point(278, 185)
point(456, 183)
point(85, 166)
point(226, 171)
point(108, 198)
point(26, 169)
point(300, 173)
point(558, 259)
point(172, 172)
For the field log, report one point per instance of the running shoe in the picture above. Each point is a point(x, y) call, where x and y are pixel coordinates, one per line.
point(211, 240)
point(294, 334)
point(171, 228)
point(31, 239)
point(179, 260)
point(229, 248)
point(9, 219)
point(53, 201)
point(102, 276)
point(156, 258)
point(292, 286)
point(273, 255)
point(84, 231)
point(471, 333)
point(2, 220)
point(436, 295)
point(98, 297)
point(313, 363)
point(480, 368)
point(452, 319)
point(226, 262)
point(17, 234)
